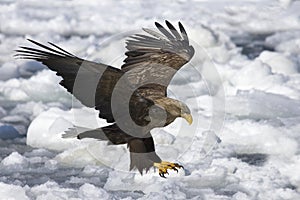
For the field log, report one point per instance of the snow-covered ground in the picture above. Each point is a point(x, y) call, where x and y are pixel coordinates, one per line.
point(246, 68)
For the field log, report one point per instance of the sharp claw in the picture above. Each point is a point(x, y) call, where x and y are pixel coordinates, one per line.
point(162, 175)
point(163, 168)
point(179, 166)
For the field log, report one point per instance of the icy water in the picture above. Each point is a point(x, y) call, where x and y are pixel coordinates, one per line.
point(243, 89)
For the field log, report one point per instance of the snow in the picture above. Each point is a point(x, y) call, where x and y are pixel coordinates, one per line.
point(242, 86)
point(12, 192)
point(278, 62)
point(13, 159)
point(261, 105)
point(8, 71)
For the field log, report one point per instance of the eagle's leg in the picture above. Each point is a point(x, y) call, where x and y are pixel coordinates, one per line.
point(163, 167)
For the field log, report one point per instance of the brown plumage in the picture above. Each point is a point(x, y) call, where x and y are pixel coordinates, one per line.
point(133, 98)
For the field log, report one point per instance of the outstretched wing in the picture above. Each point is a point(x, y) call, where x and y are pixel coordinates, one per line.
point(91, 83)
point(156, 58)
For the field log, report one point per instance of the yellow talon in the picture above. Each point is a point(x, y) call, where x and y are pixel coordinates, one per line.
point(164, 166)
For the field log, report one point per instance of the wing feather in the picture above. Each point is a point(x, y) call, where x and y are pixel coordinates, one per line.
point(163, 44)
point(61, 49)
point(162, 48)
point(183, 32)
point(164, 31)
point(155, 34)
point(173, 30)
point(91, 83)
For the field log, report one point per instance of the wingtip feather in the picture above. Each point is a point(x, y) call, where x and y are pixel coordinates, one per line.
point(183, 32)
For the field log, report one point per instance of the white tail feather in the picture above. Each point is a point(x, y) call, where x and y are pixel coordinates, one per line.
point(74, 132)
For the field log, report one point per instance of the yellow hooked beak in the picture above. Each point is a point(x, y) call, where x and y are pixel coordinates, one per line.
point(188, 118)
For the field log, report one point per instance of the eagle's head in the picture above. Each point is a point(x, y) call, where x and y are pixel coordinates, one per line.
point(166, 110)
